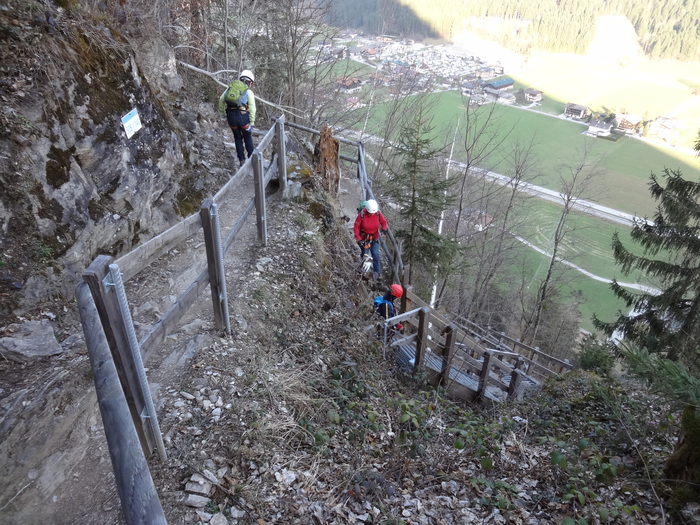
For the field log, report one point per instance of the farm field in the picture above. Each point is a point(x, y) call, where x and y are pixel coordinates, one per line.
point(625, 165)
point(595, 296)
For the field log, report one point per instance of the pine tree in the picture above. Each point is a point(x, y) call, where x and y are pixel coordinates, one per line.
point(667, 322)
point(420, 195)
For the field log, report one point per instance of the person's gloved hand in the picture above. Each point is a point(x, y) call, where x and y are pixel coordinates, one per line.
point(250, 128)
point(360, 244)
point(399, 327)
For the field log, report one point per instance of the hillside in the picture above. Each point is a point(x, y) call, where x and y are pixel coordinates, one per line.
point(315, 423)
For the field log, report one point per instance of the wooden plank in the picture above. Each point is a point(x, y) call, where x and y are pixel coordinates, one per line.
point(139, 258)
point(422, 341)
point(260, 207)
point(448, 353)
point(137, 492)
point(466, 363)
point(484, 374)
point(408, 339)
point(264, 142)
point(114, 328)
point(166, 324)
point(225, 192)
point(349, 159)
point(515, 379)
point(281, 152)
point(270, 174)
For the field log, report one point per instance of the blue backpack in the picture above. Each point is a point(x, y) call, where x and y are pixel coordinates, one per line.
point(384, 308)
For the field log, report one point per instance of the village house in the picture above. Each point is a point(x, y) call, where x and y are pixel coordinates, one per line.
point(500, 84)
point(492, 92)
point(629, 124)
point(470, 87)
point(349, 84)
point(575, 111)
point(533, 95)
point(485, 73)
point(599, 128)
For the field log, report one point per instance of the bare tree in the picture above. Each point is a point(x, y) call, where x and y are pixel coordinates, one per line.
point(576, 182)
point(480, 143)
point(492, 244)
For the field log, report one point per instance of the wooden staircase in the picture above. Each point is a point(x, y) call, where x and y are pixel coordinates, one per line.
point(471, 362)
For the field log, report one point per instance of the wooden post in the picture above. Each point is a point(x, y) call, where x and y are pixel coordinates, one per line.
point(448, 354)
point(114, 328)
point(515, 381)
point(137, 492)
point(260, 205)
point(281, 152)
point(516, 378)
point(484, 375)
point(422, 340)
point(214, 277)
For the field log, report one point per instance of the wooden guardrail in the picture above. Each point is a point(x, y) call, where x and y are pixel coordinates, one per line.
point(118, 358)
point(109, 325)
point(487, 359)
point(538, 364)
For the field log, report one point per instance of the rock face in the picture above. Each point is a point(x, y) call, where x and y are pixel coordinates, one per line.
point(74, 185)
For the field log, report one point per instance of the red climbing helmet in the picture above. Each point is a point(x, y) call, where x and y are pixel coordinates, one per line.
point(396, 290)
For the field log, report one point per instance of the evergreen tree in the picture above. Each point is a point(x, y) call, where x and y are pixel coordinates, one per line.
point(667, 322)
point(420, 194)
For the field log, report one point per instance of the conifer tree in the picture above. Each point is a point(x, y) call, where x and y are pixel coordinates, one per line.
point(667, 322)
point(420, 194)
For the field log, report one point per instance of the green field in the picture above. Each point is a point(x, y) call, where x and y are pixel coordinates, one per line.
point(597, 298)
point(625, 165)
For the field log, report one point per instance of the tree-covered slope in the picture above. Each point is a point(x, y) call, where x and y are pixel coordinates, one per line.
point(666, 28)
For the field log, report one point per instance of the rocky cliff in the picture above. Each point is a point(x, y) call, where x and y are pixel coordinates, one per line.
point(73, 184)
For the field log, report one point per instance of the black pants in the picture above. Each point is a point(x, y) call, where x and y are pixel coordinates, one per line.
point(241, 137)
point(238, 120)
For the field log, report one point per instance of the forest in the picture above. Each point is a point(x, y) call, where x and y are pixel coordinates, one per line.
point(667, 29)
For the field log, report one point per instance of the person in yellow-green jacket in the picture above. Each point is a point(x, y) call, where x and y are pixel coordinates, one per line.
point(238, 104)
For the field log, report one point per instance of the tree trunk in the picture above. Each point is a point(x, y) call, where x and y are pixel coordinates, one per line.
point(683, 467)
point(327, 161)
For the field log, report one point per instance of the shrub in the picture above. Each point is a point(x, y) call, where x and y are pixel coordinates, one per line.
point(595, 357)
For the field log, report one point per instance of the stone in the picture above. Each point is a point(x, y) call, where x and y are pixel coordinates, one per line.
point(28, 341)
point(196, 501)
point(218, 519)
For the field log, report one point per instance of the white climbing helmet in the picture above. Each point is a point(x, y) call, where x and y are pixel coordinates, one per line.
point(372, 206)
point(247, 74)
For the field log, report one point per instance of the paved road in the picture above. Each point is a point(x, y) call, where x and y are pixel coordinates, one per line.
point(582, 205)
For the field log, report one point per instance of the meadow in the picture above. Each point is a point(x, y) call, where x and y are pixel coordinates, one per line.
point(624, 165)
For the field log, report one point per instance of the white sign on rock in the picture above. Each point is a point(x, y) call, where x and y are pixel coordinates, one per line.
point(131, 122)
